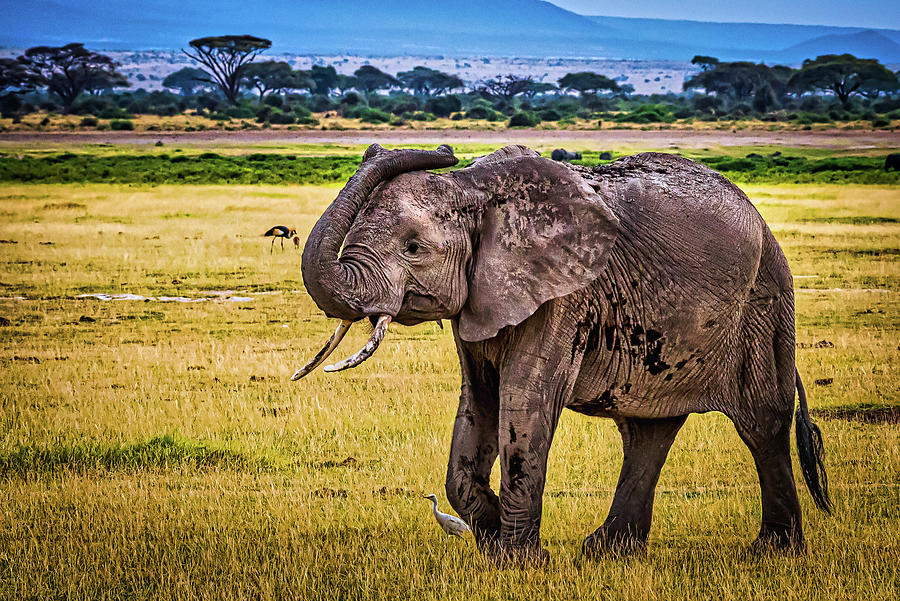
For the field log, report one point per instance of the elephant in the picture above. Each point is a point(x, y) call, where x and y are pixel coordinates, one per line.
point(892, 162)
point(561, 154)
point(643, 290)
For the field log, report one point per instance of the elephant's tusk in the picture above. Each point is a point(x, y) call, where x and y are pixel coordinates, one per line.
point(329, 347)
point(365, 352)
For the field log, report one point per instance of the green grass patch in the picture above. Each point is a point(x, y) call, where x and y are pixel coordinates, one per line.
point(168, 451)
point(206, 168)
point(271, 168)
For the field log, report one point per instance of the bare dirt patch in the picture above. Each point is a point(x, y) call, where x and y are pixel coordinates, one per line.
point(607, 138)
point(868, 414)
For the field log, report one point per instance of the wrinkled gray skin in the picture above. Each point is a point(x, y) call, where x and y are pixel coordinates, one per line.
point(641, 291)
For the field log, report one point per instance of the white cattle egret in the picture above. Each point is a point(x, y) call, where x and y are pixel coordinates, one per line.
point(450, 524)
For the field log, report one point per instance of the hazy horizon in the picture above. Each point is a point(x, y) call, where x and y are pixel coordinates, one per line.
point(876, 14)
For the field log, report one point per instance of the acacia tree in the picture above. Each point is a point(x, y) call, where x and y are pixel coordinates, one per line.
point(14, 80)
point(187, 79)
point(13, 74)
point(507, 86)
point(586, 82)
point(539, 87)
point(69, 70)
point(371, 78)
point(345, 83)
point(325, 78)
point(739, 81)
point(705, 62)
point(225, 58)
point(843, 75)
point(103, 81)
point(270, 76)
point(428, 82)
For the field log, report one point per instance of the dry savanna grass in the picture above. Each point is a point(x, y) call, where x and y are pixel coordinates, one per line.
point(54, 122)
point(154, 449)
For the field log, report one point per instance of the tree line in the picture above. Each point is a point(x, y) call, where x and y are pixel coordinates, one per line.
point(229, 82)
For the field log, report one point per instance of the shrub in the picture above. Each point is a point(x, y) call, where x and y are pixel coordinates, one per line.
point(279, 118)
point(240, 112)
point(300, 111)
point(549, 115)
point(351, 99)
point(121, 125)
point(319, 103)
point(274, 100)
point(880, 122)
point(403, 103)
point(370, 115)
point(481, 112)
point(89, 122)
point(263, 114)
point(523, 119)
point(647, 113)
point(114, 112)
point(443, 106)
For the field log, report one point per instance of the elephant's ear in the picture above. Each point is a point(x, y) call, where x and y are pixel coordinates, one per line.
point(544, 234)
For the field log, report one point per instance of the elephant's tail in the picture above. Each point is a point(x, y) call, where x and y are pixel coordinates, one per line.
point(811, 451)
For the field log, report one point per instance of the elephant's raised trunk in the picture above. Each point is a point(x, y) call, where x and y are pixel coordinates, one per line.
point(331, 285)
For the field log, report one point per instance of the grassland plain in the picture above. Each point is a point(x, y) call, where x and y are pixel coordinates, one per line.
point(154, 449)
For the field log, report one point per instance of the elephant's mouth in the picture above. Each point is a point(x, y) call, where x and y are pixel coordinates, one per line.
point(417, 308)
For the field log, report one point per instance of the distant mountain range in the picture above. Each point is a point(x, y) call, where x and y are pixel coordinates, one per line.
point(525, 28)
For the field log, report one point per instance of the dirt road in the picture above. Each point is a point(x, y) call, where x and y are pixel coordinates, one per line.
point(600, 140)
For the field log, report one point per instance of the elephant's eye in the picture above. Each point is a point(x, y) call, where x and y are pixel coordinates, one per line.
point(412, 247)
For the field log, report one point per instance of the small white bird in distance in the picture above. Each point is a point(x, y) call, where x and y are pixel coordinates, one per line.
point(450, 524)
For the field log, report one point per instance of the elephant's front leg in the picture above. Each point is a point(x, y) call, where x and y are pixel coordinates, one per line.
point(525, 434)
point(473, 452)
point(532, 395)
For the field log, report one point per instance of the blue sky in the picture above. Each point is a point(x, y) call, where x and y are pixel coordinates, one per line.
point(847, 13)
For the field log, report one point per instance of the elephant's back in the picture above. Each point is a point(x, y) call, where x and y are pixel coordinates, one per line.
point(679, 189)
point(684, 212)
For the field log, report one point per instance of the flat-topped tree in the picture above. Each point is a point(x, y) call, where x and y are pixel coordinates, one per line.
point(738, 81)
point(428, 82)
point(270, 76)
point(69, 70)
point(325, 78)
point(587, 82)
point(844, 75)
point(369, 79)
point(186, 79)
point(225, 58)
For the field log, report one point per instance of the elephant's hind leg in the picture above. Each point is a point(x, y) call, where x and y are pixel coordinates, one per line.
point(646, 444)
point(781, 523)
point(764, 424)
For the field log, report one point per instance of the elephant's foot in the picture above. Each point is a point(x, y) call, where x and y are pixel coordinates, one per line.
point(608, 541)
point(506, 555)
point(778, 539)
